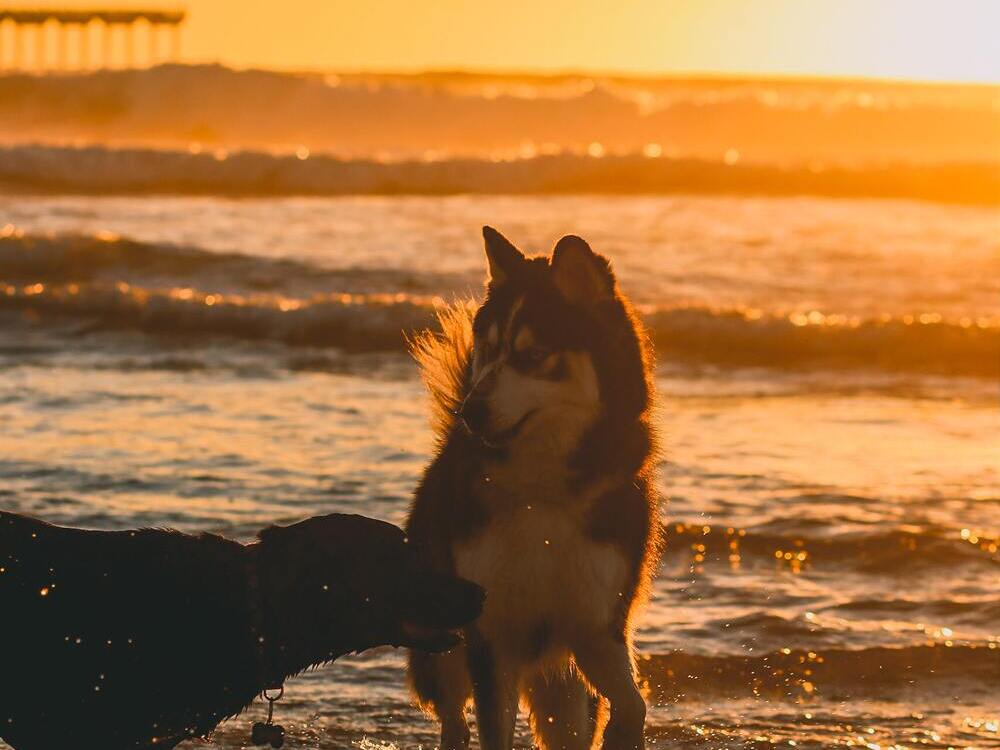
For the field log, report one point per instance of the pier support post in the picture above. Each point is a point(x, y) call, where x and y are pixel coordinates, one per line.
point(40, 51)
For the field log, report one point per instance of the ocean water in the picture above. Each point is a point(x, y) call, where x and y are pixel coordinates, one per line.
point(828, 372)
point(214, 109)
point(211, 130)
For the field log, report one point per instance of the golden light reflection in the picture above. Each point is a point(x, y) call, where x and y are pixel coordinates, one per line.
point(988, 544)
point(141, 296)
point(794, 559)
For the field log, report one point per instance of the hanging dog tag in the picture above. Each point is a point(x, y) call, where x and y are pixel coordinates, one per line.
point(267, 732)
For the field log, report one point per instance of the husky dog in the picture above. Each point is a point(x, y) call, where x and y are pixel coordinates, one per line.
point(542, 491)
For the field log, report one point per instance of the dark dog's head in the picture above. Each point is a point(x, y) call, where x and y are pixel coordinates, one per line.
point(359, 583)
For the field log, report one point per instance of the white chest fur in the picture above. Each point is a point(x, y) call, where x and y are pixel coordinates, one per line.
point(540, 568)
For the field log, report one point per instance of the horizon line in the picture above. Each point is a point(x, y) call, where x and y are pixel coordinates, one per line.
point(636, 76)
point(626, 76)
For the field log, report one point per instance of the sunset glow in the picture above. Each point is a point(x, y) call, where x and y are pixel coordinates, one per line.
point(900, 39)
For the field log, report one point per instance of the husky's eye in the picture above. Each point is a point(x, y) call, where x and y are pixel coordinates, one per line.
point(535, 355)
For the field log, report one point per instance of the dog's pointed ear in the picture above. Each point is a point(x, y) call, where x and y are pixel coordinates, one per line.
point(581, 275)
point(504, 259)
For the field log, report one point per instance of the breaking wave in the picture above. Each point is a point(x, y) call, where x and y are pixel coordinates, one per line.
point(486, 115)
point(115, 284)
point(969, 670)
point(888, 551)
point(102, 170)
point(106, 257)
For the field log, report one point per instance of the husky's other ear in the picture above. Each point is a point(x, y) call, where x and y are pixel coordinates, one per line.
point(581, 275)
point(504, 259)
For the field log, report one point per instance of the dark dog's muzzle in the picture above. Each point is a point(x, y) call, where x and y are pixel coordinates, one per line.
point(438, 606)
point(443, 601)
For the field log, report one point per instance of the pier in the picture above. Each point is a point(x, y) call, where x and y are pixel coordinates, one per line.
point(54, 39)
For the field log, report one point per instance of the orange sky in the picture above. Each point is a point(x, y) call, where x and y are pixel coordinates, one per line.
point(951, 40)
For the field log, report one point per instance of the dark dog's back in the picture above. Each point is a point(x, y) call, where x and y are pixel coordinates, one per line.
point(85, 611)
point(141, 639)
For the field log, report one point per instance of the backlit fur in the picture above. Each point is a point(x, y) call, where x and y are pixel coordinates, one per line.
point(542, 491)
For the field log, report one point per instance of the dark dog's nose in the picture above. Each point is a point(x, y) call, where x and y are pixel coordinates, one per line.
point(474, 412)
point(439, 601)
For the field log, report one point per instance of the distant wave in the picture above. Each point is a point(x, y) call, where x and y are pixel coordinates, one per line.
point(102, 170)
point(61, 258)
point(410, 115)
point(118, 284)
point(924, 343)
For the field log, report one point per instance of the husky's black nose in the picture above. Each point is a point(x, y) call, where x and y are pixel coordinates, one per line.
point(474, 413)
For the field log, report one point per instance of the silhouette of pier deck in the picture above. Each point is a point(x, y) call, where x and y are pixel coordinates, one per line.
point(74, 29)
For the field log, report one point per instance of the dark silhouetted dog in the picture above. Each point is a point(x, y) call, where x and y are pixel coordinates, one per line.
point(140, 639)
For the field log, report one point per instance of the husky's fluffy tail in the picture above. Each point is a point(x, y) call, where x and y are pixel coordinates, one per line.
point(443, 357)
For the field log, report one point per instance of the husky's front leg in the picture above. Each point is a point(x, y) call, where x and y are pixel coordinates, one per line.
point(495, 691)
point(441, 683)
point(606, 662)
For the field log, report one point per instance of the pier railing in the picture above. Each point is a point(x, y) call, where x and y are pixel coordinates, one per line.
point(71, 34)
